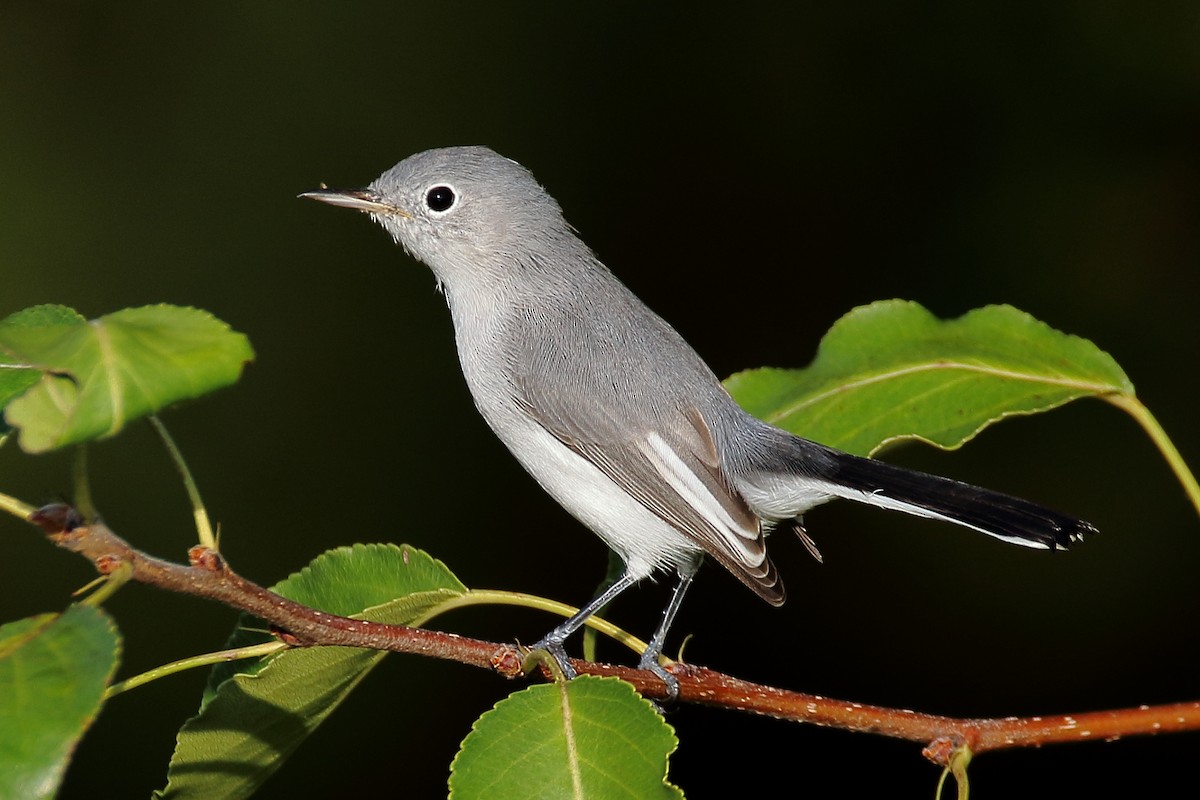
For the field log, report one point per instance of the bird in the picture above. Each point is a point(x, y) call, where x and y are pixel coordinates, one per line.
point(614, 414)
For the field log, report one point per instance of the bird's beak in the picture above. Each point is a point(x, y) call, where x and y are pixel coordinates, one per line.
point(361, 199)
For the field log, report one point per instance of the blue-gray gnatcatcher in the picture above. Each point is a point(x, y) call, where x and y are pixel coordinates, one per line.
point(613, 412)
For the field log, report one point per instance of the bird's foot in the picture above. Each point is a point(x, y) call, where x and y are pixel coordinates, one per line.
point(555, 649)
point(651, 663)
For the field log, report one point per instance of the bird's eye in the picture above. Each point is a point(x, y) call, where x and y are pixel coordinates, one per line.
point(440, 198)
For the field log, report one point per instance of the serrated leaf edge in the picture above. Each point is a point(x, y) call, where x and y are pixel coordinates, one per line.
point(575, 774)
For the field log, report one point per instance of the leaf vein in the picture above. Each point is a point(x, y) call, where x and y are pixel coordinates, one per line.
point(109, 360)
point(569, 733)
point(894, 374)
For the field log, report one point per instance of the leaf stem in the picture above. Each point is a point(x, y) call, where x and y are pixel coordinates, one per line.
point(482, 597)
point(203, 526)
point(15, 507)
point(110, 583)
point(83, 486)
point(958, 768)
point(1134, 407)
point(207, 659)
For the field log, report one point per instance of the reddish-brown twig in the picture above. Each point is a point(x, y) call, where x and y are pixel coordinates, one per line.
point(209, 576)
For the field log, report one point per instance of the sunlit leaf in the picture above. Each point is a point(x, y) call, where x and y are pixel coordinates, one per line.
point(94, 377)
point(16, 376)
point(891, 371)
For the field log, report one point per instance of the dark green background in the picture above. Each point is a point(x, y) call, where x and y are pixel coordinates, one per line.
point(752, 173)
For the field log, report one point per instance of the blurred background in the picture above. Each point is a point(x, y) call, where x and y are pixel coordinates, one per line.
point(753, 172)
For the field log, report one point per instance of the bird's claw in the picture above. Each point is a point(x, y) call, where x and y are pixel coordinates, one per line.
point(555, 649)
point(672, 683)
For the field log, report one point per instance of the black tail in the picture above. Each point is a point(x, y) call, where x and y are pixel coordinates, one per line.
point(1003, 516)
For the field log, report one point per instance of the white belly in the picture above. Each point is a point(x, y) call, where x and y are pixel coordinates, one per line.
point(643, 540)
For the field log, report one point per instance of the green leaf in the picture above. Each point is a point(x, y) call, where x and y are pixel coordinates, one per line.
point(53, 672)
point(253, 716)
point(593, 738)
point(16, 376)
point(94, 377)
point(892, 371)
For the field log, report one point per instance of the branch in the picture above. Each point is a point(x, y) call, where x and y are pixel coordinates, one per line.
point(208, 575)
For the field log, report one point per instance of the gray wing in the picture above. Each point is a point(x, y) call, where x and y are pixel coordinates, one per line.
point(663, 455)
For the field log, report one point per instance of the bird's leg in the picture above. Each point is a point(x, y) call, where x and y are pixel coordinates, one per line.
point(552, 642)
point(649, 658)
